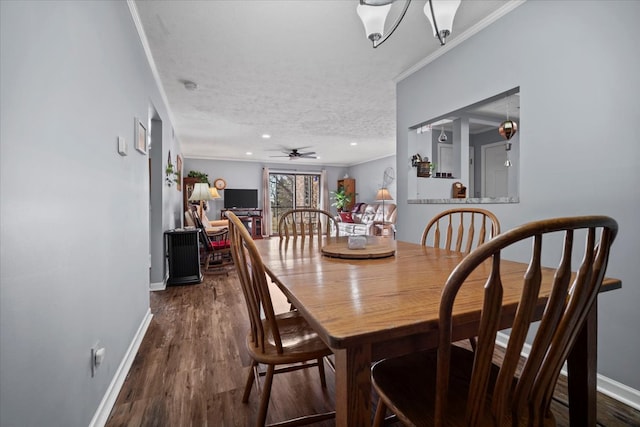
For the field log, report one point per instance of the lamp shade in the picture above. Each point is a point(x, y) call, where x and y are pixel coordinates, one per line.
point(445, 10)
point(214, 193)
point(373, 18)
point(383, 194)
point(200, 192)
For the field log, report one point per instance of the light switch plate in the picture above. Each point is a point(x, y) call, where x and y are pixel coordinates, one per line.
point(122, 146)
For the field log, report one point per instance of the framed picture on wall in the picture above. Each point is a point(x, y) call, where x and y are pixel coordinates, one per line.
point(179, 172)
point(140, 137)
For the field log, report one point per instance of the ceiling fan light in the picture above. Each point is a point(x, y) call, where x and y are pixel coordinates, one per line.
point(445, 11)
point(376, 2)
point(373, 19)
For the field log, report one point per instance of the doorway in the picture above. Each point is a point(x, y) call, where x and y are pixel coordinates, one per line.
point(445, 158)
point(292, 191)
point(471, 190)
point(495, 176)
point(156, 183)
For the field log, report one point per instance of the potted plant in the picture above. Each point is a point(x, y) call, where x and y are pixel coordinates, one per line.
point(202, 177)
point(171, 176)
point(341, 199)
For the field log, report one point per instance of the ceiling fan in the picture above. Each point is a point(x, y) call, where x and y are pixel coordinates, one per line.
point(295, 153)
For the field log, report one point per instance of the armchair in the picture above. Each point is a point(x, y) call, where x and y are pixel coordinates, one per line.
point(211, 227)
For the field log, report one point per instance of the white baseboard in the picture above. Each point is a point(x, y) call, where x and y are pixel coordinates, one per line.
point(615, 390)
point(109, 399)
point(158, 286)
point(618, 391)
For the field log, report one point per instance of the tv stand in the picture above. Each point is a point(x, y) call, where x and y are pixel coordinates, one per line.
point(251, 218)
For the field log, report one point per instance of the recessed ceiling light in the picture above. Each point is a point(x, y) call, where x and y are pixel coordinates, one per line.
point(353, 144)
point(266, 136)
point(248, 153)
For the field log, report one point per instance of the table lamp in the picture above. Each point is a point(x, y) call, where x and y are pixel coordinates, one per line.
point(214, 193)
point(382, 195)
point(201, 193)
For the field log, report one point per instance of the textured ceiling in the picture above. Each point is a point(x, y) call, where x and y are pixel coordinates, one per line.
point(299, 70)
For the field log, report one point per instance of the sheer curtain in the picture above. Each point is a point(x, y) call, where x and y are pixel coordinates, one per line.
point(266, 203)
point(324, 190)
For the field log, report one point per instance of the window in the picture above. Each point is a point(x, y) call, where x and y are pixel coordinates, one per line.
point(292, 191)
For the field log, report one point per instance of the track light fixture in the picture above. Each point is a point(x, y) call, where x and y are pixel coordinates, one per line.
point(373, 14)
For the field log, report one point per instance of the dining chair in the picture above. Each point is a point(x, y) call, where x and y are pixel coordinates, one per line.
point(273, 339)
point(466, 219)
point(457, 223)
point(306, 223)
point(454, 386)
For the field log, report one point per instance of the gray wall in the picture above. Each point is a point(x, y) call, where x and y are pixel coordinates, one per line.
point(74, 215)
point(580, 100)
point(249, 175)
point(369, 177)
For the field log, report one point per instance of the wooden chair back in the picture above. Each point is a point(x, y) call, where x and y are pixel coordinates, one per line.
point(199, 225)
point(307, 223)
point(253, 280)
point(216, 245)
point(526, 394)
point(458, 223)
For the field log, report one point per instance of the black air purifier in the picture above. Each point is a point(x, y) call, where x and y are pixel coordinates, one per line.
point(183, 255)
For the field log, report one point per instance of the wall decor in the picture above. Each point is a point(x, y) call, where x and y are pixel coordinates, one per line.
point(220, 183)
point(171, 175)
point(140, 136)
point(424, 169)
point(179, 172)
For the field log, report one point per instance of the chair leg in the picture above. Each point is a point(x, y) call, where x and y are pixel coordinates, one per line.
point(323, 380)
point(381, 411)
point(250, 379)
point(264, 399)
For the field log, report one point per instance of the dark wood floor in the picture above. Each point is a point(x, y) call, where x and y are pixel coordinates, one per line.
point(191, 368)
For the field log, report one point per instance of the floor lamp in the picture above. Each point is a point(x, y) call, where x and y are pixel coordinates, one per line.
point(382, 195)
point(201, 193)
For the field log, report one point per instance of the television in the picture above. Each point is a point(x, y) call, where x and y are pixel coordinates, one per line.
point(240, 199)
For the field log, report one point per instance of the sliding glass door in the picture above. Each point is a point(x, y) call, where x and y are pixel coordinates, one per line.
point(292, 191)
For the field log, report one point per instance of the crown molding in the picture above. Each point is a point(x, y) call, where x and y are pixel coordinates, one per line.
point(152, 63)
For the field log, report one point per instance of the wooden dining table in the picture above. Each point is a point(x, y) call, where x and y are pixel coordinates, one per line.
point(367, 309)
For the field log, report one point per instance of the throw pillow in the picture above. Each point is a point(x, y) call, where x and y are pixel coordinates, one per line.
point(346, 217)
point(356, 207)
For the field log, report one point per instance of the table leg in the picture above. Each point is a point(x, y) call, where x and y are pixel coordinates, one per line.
point(582, 365)
point(353, 386)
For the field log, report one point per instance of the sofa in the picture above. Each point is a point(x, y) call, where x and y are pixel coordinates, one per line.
point(367, 219)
